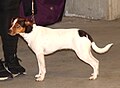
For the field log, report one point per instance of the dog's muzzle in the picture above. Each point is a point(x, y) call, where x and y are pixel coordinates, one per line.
point(10, 32)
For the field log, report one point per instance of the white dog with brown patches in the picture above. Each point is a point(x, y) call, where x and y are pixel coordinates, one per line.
point(43, 40)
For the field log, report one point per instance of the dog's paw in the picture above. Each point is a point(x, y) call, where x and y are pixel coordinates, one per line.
point(93, 77)
point(37, 76)
point(40, 78)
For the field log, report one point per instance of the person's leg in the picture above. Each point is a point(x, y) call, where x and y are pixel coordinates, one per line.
point(10, 54)
point(4, 74)
point(9, 44)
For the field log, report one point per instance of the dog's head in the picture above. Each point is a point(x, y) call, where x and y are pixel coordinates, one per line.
point(20, 25)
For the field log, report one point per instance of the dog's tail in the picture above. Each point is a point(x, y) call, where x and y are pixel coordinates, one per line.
point(101, 50)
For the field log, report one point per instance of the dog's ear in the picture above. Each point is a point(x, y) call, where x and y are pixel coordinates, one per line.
point(28, 29)
point(28, 22)
point(29, 26)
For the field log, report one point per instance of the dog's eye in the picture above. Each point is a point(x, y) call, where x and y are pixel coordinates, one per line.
point(18, 26)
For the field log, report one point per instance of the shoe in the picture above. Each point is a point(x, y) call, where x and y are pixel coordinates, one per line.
point(4, 74)
point(14, 67)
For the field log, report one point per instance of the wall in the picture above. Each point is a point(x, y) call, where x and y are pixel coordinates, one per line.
point(114, 9)
point(93, 9)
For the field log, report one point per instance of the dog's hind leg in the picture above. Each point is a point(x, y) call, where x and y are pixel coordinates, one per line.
point(96, 69)
point(89, 59)
point(84, 53)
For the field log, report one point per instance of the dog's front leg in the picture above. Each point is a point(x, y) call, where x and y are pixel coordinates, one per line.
point(41, 65)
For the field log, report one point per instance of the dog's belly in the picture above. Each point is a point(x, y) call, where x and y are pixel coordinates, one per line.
point(48, 51)
point(51, 49)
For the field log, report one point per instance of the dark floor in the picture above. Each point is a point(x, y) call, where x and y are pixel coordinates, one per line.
point(64, 69)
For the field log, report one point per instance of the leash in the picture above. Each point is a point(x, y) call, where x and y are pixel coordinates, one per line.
point(33, 14)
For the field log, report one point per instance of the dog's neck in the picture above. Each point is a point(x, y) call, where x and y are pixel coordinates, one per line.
point(29, 37)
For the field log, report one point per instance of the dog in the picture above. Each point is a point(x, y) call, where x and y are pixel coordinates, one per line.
point(44, 40)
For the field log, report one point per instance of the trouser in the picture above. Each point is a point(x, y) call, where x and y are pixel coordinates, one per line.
point(9, 43)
